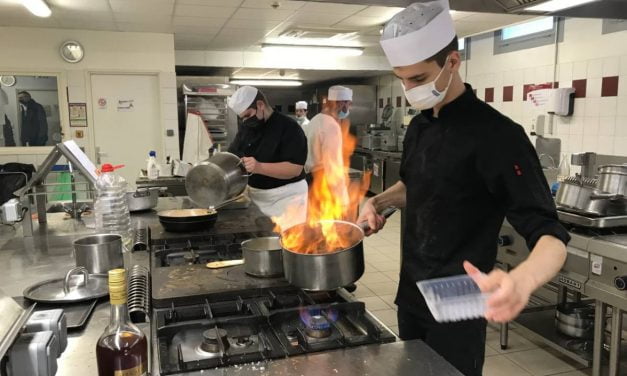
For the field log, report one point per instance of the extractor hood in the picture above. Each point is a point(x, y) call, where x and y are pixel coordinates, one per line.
point(598, 9)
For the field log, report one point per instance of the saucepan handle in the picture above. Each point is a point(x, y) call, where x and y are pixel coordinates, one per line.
point(387, 212)
point(241, 165)
point(66, 283)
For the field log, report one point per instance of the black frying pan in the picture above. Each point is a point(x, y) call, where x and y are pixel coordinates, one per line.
point(184, 220)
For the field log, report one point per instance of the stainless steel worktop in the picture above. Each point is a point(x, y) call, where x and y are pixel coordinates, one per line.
point(49, 255)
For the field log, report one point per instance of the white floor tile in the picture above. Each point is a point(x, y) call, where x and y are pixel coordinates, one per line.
point(383, 288)
point(362, 292)
point(581, 372)
point(374, 303)
point(501, 366)
point(490, 351)
point(388, 317)
point(515, 342)
point(394, 276)
point(375, 277)
point(388, 266)
point(542, 362)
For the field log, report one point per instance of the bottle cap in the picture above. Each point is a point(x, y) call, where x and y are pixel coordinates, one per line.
point(152, 153)
point(117, 286)
point(107, 167)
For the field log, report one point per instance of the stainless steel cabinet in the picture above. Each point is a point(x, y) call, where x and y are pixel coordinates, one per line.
point(378, 174)
point(392, 168)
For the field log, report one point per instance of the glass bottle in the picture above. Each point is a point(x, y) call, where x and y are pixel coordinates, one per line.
point(122, 349)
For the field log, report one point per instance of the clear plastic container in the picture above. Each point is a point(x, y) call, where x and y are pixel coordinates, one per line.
point(454, 298)
point(110, 206)
point(152, 168)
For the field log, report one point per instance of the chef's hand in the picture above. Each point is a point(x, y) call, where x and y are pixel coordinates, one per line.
point(369, 214)
point(509, 293)
point(251, 164)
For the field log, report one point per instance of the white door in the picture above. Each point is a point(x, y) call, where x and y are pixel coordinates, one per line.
point(127, 121)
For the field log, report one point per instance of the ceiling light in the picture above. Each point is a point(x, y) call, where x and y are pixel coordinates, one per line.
point(309, 50)
point(555, 5)
point(257, 82)
point(37, 7)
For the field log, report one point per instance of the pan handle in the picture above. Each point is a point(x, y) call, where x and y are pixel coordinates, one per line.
point(241, 165)
point(77, 270)
point(387, 212)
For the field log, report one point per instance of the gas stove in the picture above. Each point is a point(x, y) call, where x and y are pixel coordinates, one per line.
point(267, 324)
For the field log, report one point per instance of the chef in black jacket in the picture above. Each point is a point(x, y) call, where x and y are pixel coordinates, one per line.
point(465, 167)
point(273, 148)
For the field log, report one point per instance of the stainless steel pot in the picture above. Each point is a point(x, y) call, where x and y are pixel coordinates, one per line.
point(143, 199)
point(262, 257)
point(575, 192)
point(99, 253)
point(216, 180)
point(613, 179)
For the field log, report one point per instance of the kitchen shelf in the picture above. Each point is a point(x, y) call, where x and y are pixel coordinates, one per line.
point(212, 108)
point(540, 326)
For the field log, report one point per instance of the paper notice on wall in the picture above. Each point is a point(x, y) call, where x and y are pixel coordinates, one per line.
point(73, 147)
point(102, 103)
point(125, 105)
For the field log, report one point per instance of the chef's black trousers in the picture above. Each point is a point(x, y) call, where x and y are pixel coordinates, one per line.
point(461, 343)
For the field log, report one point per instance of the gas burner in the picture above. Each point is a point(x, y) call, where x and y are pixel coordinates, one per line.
point(243, 341)
point(211, 340)
point(318, 327)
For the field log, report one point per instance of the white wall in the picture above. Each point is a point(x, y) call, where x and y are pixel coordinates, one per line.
point(599, 123)
point(34, 50)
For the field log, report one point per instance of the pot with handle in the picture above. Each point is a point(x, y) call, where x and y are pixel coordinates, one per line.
point(262, 257)
point(216, 180)
point(613, 179)
point(328, 270)
point(143, 198)
point(99, 253)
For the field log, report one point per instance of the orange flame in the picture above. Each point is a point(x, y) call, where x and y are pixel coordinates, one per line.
point(333, 196)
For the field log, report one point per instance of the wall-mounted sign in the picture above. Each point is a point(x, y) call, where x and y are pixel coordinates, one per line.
point(102, 103)
point(125, 105)
point(78, 114)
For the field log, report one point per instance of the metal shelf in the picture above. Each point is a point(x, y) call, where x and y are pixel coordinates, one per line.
point(540, 326)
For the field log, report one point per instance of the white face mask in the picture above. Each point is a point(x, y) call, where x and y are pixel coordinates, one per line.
point(427, 96)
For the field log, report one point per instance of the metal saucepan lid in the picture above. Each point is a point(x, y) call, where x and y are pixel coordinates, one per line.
point(78, 285)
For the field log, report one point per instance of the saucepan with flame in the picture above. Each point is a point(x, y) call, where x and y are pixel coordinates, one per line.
point(324, 256)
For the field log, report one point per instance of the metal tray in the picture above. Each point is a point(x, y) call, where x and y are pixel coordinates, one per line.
point(76, 314)
point(595, 222)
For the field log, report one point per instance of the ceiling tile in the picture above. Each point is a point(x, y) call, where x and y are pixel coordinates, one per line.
point(71, 14)
point(262, 14)
point(285, 5)
point(316, 19)
point(28, 21)
point(86, 24)
point(503, 19)
point(199, 21)
point(82, 5)
point(331, 8)
point(152, 7)
point(356, 21)
point(212, 3)
point(203, 30)
point(145, 27)
point(458, 15)
point(246, 24)
point(379, 12)
point(142, 18)
point(203, 11)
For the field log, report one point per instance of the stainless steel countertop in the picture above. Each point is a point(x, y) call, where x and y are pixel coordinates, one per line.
point(49, 255)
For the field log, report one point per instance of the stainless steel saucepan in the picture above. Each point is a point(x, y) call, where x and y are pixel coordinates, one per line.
point(327, 269)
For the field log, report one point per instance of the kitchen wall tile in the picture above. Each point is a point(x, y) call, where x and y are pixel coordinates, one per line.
point(607, 125)
point(508, 93)
point(620, 145)
point(580, 88)
point(623, 66)
point(170, 111)
point(580, 70)
point(606, 145)
point(592, 106)
point(593, 89)
point(167, 79)
point(576, 126)
point(591, 126)
point(77, 94)
point(611, 66)
point(576, 143)
point(519, 76)
point(580, 107)
point(595, 68)
point(508, 78)
point(608, 106)
point(168, 95)
point(567, 83)
point(529, 76)
point(489, 94)
point(621, 106)
point(590, 143)
point(621, 126)
point(562, 126)
point(565, 72)
point(622, 86)
point(609, 86)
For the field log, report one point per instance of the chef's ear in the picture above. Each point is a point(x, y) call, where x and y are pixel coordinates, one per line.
point(454, 61)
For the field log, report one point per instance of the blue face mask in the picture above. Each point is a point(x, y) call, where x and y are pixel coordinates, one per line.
point(343, 115)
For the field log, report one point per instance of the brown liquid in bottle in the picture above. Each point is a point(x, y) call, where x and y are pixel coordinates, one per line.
point(122, 355)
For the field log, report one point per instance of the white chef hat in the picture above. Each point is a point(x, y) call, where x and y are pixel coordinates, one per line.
point(301, 105)
point(340, 93)
point(417, 33)
point(242, 99)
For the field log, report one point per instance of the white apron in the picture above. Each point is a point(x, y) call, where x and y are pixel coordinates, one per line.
point(287, 204)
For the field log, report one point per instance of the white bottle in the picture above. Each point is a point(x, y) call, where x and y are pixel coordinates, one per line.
point(153, 167)
point(110, 206)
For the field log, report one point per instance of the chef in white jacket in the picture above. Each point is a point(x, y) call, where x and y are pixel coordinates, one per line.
point(301, 113)
point(273, 149)
point(324, 138)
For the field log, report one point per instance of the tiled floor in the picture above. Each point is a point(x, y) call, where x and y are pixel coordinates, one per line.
point(377, 288)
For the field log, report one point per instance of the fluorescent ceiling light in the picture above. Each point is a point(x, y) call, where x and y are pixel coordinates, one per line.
point(37, 7)
point(311, 50)
point(256, 82)
point(555, 5)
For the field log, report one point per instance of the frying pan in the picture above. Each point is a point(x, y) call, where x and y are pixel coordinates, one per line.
point(325, 269)
point(182, 220)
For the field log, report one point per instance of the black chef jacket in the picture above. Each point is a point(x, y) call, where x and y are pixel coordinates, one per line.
point(465, 171)
point(280, 139)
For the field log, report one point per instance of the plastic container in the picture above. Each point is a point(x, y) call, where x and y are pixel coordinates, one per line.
point(152, 169)
point(110, 206)
point(454, 298)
